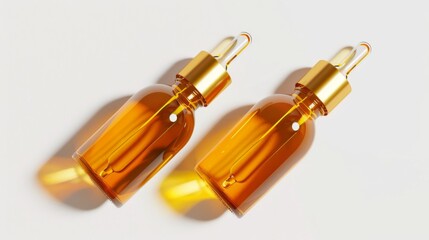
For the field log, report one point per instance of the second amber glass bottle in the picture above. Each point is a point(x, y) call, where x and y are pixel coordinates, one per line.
point(274, 134)
point(154, 124)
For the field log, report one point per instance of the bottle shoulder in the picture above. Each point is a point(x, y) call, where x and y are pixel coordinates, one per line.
point(275, 101)
point(280, 107)
point(161, 101)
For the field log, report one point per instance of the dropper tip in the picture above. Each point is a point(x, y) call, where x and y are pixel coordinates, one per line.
point(367, 45)
point(233, 49)
point(247, 35)
point(361, 51)
point(357, 54)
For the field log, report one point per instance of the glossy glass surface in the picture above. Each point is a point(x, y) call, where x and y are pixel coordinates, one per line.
point(137, 141)
point(259, 150)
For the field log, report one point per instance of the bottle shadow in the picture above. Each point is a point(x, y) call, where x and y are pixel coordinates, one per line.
point(184, 191)
point(170, 75)
point(63, 178)
point(288, 85)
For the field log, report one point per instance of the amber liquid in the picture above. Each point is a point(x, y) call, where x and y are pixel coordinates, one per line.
point(124, 153)
point(260, 149)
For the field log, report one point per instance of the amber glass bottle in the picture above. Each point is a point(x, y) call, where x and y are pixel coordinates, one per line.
point(154, 124)
point(274, 135)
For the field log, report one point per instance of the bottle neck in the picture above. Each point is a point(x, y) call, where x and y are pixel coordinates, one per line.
point(309, 103)
point(187, 94)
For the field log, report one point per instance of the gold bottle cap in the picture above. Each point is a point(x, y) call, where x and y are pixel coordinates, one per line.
point(328, 80)
point(208, 73)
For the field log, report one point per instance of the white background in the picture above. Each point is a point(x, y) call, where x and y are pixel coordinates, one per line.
point(366, 176)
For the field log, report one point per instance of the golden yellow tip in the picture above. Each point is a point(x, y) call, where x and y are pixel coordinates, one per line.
point(233, 49)
point(367, 45)
point(248, 36)
point(358, 53)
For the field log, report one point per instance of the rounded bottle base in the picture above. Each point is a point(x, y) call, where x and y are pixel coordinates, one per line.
point(222, 197)
point(98, 181)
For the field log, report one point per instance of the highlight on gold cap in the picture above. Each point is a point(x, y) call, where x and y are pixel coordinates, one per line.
point(328, 80)
point(208, 72)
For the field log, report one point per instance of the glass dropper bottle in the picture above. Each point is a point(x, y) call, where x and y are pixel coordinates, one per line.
point(154, 124)
point(273, 135)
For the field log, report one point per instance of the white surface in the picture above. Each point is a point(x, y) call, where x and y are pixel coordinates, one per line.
point(366, 176)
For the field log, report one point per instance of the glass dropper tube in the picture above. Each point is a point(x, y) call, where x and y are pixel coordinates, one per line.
point(357, 54)
point(233, 49)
